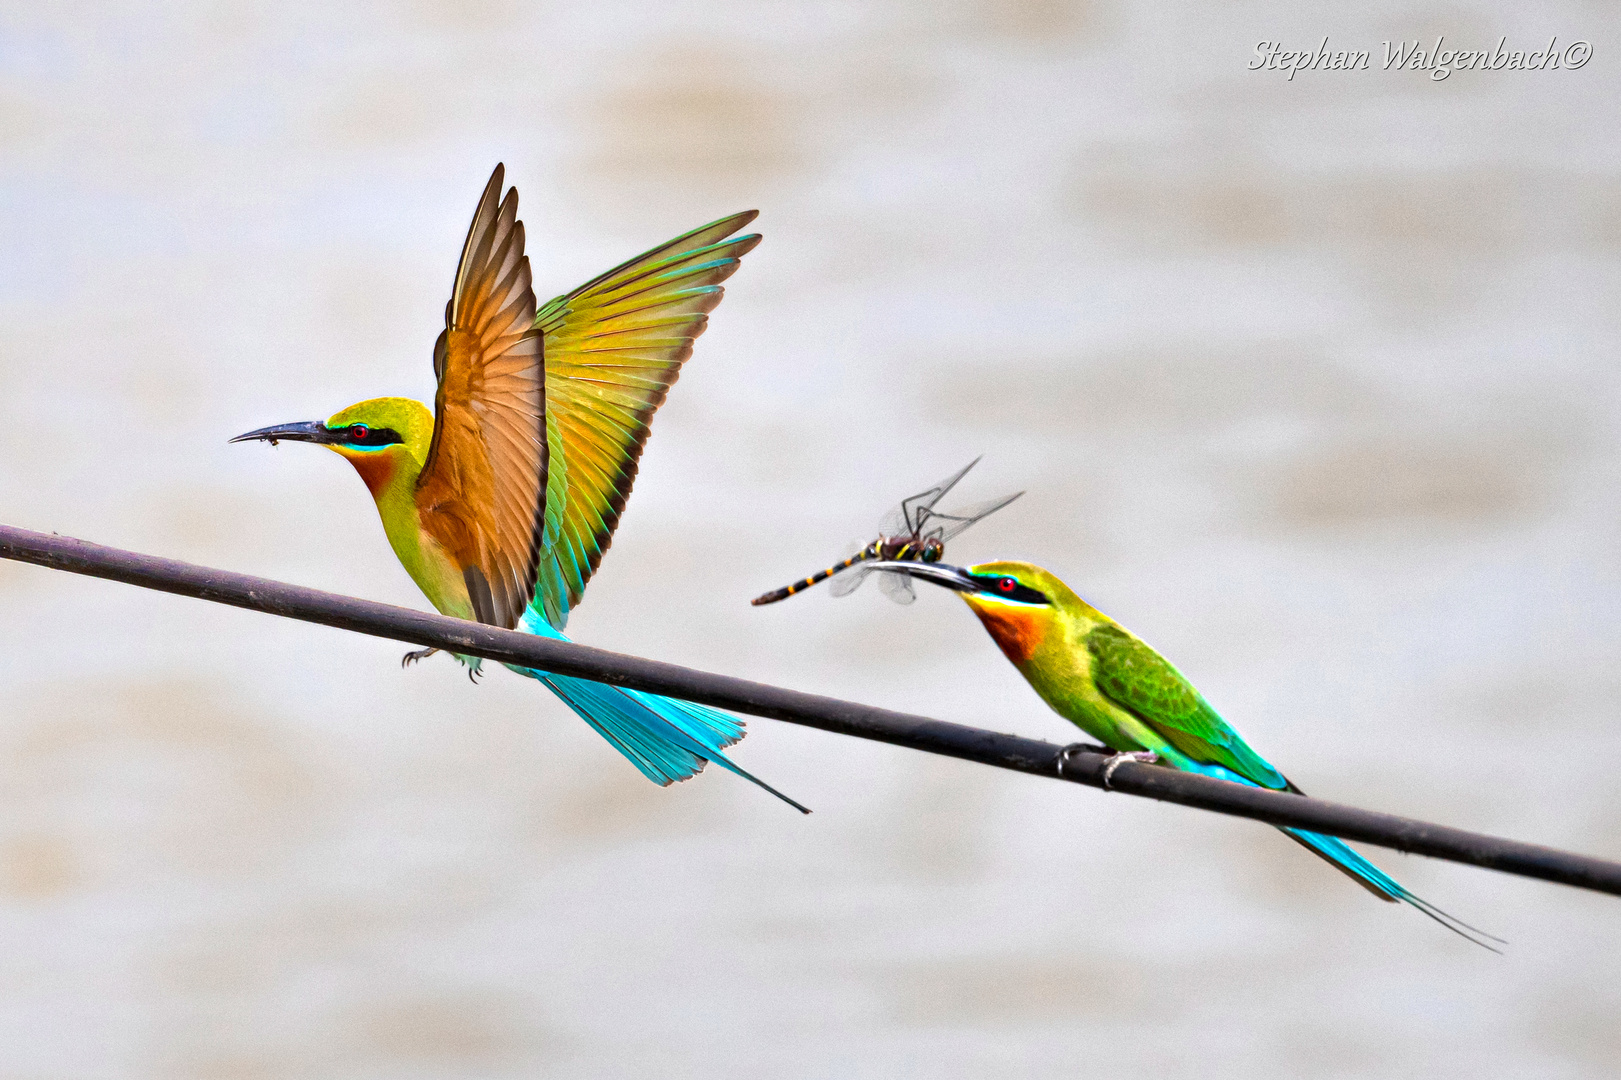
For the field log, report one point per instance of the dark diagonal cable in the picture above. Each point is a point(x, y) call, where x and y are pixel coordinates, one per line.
point(812, 710)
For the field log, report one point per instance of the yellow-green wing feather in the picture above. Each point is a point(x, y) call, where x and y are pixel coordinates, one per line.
point(614, 346)
point(1144, 683)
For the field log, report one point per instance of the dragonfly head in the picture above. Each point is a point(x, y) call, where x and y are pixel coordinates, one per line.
point(933, 549)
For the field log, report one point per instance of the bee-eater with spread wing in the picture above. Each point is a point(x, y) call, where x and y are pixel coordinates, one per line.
point(1103, 679)
point(501, 501)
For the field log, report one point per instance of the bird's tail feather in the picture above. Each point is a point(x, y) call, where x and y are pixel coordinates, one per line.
point(660, 758)
point(708, 725)
point(667, 739)
point(1381, 884)
point(1340, 854)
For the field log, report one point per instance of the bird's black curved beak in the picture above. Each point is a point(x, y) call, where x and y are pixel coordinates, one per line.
point(943, 574)
point(309, 431)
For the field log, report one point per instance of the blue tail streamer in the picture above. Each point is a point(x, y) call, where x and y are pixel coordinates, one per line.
point(1346, 859)
point(666, 738)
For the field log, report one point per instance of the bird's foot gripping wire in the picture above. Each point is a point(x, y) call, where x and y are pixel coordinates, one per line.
point(1072, 749)
point(1142, 757)
point(416, 654)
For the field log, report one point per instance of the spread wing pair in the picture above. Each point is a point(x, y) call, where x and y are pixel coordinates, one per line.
point(539, 421)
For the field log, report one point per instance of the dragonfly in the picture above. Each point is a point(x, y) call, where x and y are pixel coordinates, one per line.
point(912, 532)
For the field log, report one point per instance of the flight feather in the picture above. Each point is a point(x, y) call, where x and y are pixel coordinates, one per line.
point(614, 346)
point(482, 490)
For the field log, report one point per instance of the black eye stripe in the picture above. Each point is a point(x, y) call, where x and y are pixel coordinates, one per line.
point(1008, 588)
point(365, 435)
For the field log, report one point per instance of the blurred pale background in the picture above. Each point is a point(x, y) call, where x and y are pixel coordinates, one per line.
point(1311, 383)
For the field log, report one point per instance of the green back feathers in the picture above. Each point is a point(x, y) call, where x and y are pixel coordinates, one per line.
point(1147, 685)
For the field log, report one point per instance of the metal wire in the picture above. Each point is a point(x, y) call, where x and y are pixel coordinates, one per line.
point(1077, 764)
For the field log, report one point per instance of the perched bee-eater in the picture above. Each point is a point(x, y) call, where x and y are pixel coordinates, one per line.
point(501, 501)
point(1103, 679)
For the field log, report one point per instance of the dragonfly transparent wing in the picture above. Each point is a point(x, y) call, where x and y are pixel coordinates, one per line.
point(894, 523)
point(907, 518)
point(898, 587)
point(848, 581)
point(945, 526)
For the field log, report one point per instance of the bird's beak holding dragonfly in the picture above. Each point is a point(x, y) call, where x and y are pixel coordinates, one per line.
point(913, 532)
point(943, 574)
point(1018, 617)
point(985, 586)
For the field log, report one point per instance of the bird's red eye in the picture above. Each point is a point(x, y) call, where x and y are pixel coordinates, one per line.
point(359, 431)
point(1007, 584)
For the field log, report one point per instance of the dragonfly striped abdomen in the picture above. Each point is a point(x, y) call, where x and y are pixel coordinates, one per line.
point(912, 532)
point(904, 549)
point(868, 552)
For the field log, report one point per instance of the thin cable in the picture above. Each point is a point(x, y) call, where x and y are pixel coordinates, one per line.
point(1077, 764)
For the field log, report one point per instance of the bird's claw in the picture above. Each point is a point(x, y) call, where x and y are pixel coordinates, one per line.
point(416, 654)
point(1141, 757)
point(1078, 748)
